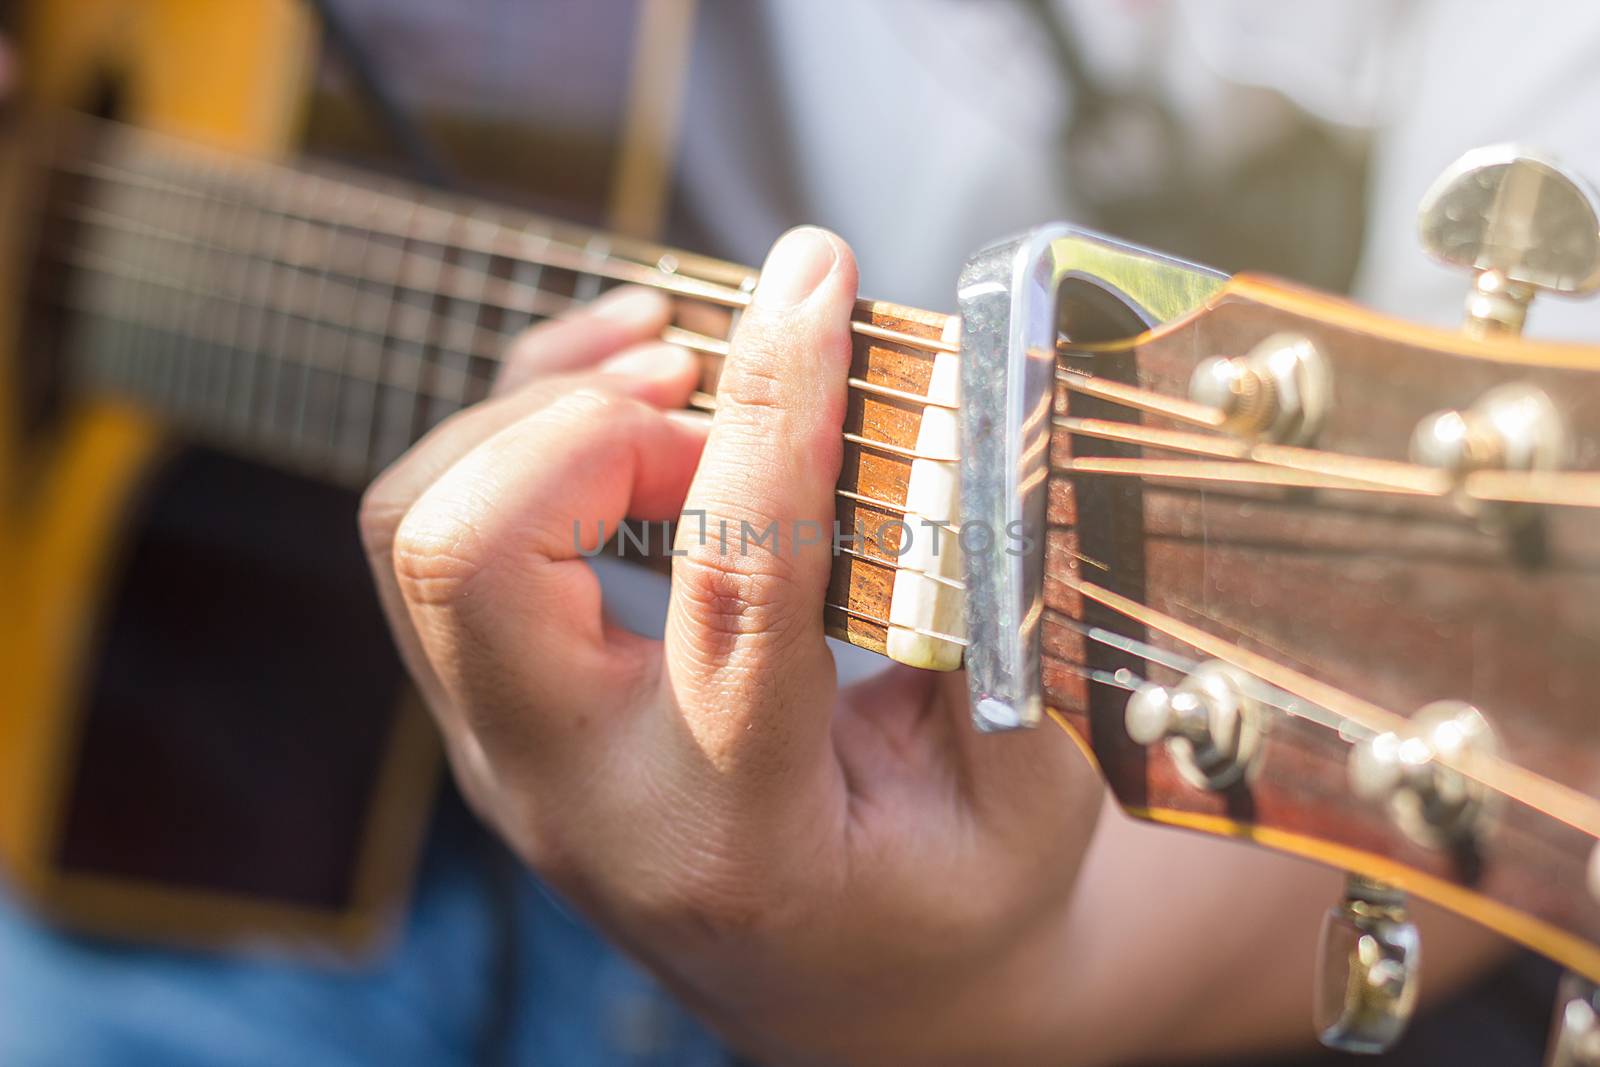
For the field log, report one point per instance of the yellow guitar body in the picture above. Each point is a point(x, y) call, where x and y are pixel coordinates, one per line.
point(235, 81)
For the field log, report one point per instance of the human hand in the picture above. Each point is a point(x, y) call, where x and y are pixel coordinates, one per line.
point(826, 873)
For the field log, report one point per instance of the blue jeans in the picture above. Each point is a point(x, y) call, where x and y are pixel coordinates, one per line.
point(489, 967)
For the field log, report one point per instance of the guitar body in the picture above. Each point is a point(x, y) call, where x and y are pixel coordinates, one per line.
point(205, 730)
point(205, 733)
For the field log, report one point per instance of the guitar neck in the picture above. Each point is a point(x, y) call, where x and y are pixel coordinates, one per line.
point(324, 322)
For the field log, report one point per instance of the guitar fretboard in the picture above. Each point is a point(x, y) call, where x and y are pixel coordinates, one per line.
point(325, 322)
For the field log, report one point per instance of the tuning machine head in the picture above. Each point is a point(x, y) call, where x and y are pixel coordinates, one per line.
point(1521, 222)
point(1211, 724)
point(1575, 1030)
point(1368, 960)
point(1434, 805)
point(1280, 391)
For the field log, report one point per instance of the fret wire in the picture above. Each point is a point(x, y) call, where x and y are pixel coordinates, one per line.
point(438, 228)
point(588, 284)
point(179, 309)
point(287, 281)
point(361, 461)
point(150, 351)
point(520, 267)
point(213, 390)
point(239, 370)
point(204, 359)
point(175, 305)
point(315, 333)
point(263, 368)
point(460, 349)
point(374, 460)
point(146, 353)
point(141, 351)
point(340, 372)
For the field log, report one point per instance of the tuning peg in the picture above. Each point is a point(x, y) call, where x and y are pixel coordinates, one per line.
point(1434, 805)
point(1281, 390)
point(1513, 427)
point(1367, 964)
point(1575, 1030)
point(1521, 222)
point(1210, 723)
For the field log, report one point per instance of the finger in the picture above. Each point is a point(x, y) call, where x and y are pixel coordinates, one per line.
point(584, 336)
point(489, 566)
point(655, 373)
point(746, 658)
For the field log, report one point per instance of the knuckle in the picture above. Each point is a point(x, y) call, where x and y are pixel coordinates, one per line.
point(740, 601)
point(437, 556)
point(755, 382)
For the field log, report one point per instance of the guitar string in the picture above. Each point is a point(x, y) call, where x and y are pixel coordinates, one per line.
point(1567, 488)
point(487, 351)
point(1500, 777)
point(452, 228)
point(867, 616)
point(1182, 665)
point(414, 386)
point(95, 263)
point(85, 261)
point(1578, 489)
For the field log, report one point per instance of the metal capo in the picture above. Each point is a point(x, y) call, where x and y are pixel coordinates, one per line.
point(1016, 304)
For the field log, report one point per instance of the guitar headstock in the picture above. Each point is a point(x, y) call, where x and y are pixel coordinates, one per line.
point(1330, 582)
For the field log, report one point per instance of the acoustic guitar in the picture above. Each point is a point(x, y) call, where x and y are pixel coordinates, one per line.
point(205, 734)
point(1307, 576)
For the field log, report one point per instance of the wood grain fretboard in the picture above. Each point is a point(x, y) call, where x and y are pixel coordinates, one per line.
point(324, 322)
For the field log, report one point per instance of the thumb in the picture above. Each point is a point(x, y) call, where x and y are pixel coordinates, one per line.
point(746, 658)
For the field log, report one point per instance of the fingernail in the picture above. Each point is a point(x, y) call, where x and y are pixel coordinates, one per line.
point(795, 267)
point(653, 361)
point(631, 304)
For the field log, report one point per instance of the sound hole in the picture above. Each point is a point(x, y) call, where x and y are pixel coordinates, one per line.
point(242, 693)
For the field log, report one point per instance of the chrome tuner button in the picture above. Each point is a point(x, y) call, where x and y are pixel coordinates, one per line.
point(1521, 223)
point(1280, 391)
point(1433, 804)
point(1367, 963)
point(1575, 1030)
point(1513, 427)
point(1209, 723)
